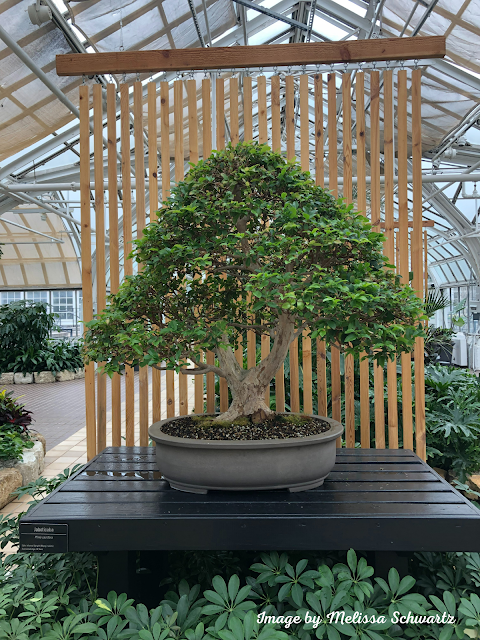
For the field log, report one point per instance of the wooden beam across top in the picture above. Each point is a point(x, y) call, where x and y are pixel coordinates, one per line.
point(396, 224)
point(241, 57)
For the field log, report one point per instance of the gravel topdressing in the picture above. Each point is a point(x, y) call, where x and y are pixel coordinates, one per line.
point(276, 428)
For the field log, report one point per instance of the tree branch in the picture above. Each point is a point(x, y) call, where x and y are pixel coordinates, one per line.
point(299, 332)
point(208, 368)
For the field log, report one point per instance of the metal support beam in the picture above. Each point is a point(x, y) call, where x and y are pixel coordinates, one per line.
point(75, 186)
point(272, 14)
point(21, 196)
point(37, 233)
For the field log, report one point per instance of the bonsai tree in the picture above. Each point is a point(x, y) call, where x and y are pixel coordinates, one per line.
point(248, 241)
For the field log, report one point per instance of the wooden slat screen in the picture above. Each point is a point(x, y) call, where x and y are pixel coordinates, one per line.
point(338, 126)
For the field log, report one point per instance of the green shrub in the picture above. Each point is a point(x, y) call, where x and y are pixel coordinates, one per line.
point(25, 345)
point(452, 401)
point(14, 423)
point(24, 328)
point(57, 355)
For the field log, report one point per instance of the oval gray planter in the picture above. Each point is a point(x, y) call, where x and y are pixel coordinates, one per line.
point(197, 466)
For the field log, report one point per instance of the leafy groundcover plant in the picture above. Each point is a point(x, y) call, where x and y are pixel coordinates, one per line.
point(54, 596)
point(14, 427)
point(248, 241)
point(452, 401)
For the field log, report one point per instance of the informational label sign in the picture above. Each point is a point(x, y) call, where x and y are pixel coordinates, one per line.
point(43, 537)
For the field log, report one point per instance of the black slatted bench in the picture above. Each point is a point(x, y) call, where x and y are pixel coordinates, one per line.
point(382, 501)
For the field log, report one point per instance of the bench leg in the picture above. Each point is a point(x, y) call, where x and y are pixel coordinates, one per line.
point(116, 572)
point(385, 560)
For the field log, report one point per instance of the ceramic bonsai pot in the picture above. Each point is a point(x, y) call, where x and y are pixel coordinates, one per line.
point(197, 466)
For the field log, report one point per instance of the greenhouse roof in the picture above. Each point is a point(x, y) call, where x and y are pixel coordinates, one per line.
point(39, 123)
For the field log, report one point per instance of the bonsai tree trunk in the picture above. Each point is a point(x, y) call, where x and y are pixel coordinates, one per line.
point(248, 387)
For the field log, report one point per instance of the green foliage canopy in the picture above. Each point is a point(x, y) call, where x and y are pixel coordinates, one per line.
point(249, 238)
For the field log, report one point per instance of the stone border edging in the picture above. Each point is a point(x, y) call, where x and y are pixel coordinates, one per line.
point(22, 471)
point(41, 377)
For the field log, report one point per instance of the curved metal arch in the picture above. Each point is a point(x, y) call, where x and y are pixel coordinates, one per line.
point(469, 247)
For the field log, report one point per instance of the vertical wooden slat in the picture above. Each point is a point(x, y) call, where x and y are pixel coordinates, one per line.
point(375, 148)
point(417, 259)
point(319, 180)
point(207, 150)
point(378, 391)
point(402, 146)
point(375, 220)
point(277, 146)
point(113, 245)
point(389, 248)
point(235, 137)
point(389, 245)
point(247, 109)
point(361, 207)
point(198, 392)
point(179, 175)
point(220, 111)
point(347, 194)
point(290, 132)
point(322, 377)
point(402, 190)
point(234, 129)
point(248, 135)
point(251, 340)
point(275, 103)
point(307, 374)
point(86, 247)
point(206, 118)
point(264, 351)
point(192, 121)
point(319, 138)
point(127, 246)
point(210, 384)
point(263, 139)
point(153, 193)
point(290, 116)
point(100, 255)
point(294, 378)
point(364, 402)
point(304, 124)
point(305, 163)
point(332, 135)
point(333, 187)
point(262, 109)
point(165, 152)
point(239, 351)
point(141, 218)
point(193, 153)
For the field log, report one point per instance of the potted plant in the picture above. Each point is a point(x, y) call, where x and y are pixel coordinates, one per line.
point(247, 241)
point(438, 340)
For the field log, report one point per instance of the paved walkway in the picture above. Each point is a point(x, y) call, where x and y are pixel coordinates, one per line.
point(58, 408)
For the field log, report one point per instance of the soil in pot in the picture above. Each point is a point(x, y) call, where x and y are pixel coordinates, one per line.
point(276, 427)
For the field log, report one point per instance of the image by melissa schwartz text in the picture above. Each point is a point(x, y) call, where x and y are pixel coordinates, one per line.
point(354, 617)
